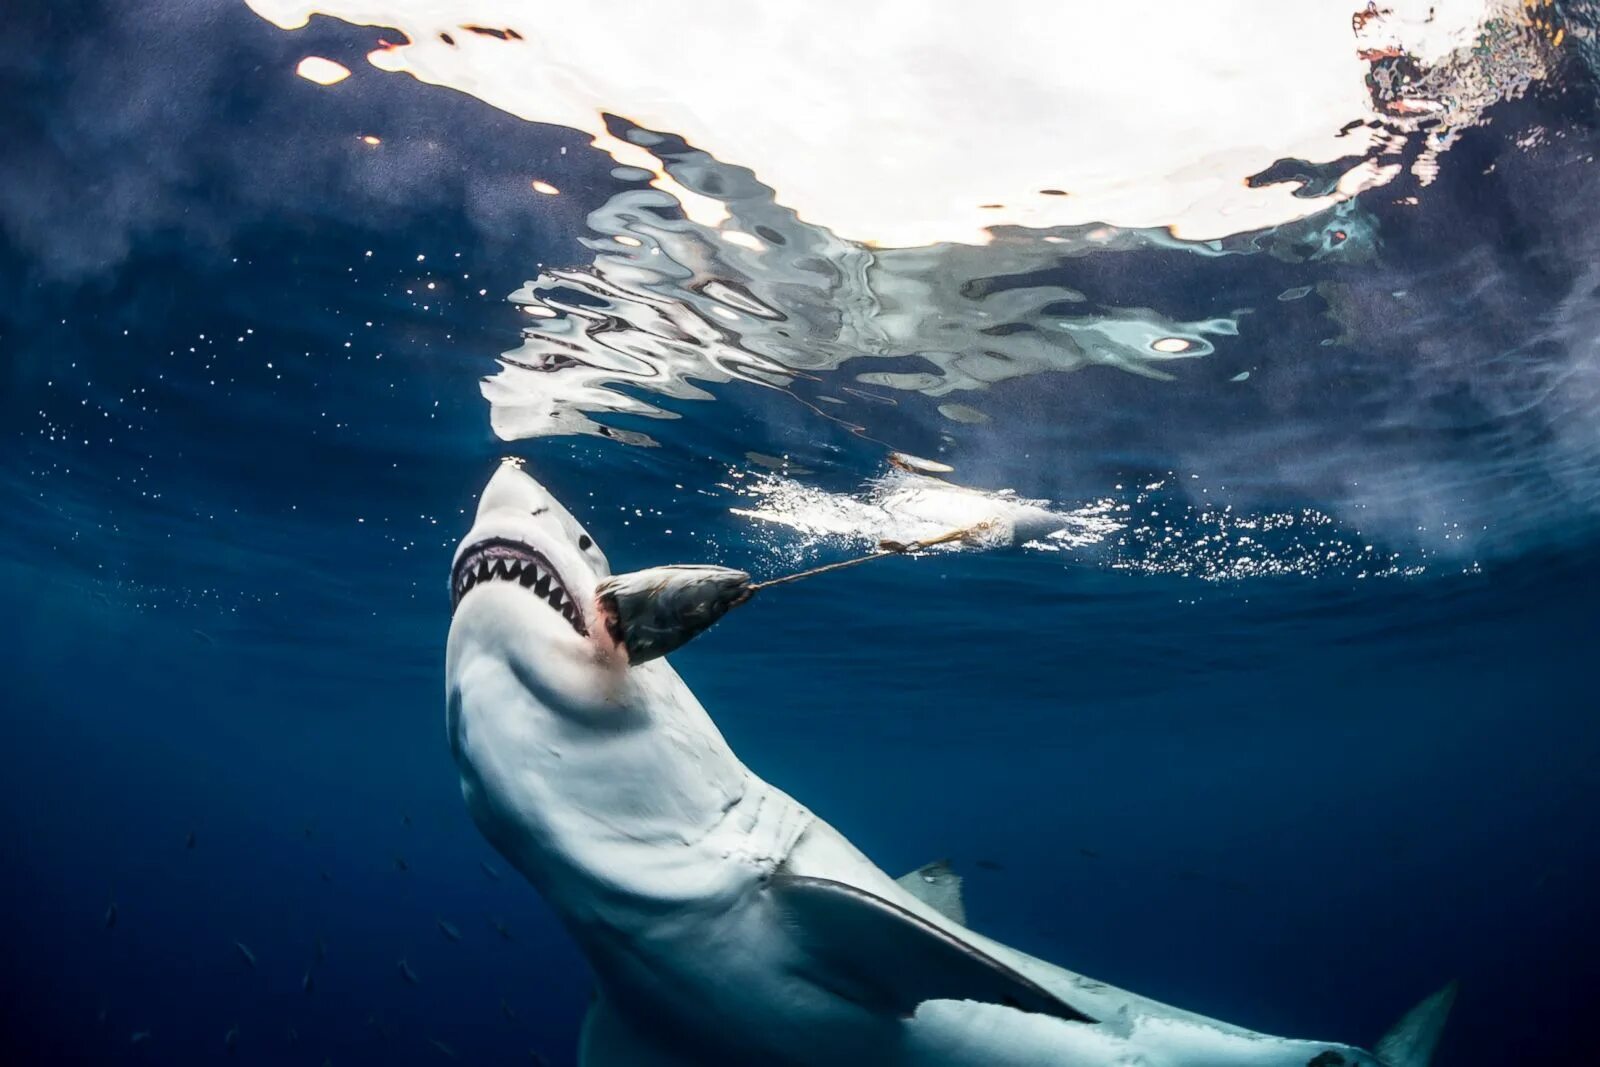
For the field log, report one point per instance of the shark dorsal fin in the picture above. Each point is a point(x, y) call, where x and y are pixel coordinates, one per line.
point(887, 959)
point(939, 887)
point(1411, 1041)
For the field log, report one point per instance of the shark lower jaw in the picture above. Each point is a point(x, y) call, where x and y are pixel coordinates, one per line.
point(500, 559)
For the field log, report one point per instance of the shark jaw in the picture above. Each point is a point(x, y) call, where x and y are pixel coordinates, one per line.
point(537, 558)
point(500, 559)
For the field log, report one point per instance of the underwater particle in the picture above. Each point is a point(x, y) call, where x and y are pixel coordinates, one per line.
point(307, 983)
point(111, 915)
point(1243, 375)
point(507, 1010)
point(1171, 344)
point(544, 187)
point(991, 865)
point(245, 953)
point(1088, 853)
point(407, 974)
point(962, 413)
point(444, 1049)
point(138, 1037)
point(448, 929)
point(322, 71)
point(189, 842)
point(489, 869)
point(230, 1040)
point(502, 929)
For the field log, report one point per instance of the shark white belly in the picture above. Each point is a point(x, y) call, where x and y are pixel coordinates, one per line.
point(725, 923)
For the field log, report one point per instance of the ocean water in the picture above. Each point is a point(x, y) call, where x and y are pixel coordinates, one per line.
point(1294, 723)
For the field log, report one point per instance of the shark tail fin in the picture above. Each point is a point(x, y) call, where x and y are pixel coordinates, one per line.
point(1411, 1041)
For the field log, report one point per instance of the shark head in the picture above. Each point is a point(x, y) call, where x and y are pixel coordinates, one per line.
point(523, 535)
point(567, 750)
point(522, 591)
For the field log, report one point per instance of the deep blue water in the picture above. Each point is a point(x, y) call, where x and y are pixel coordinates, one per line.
point(1296, 801)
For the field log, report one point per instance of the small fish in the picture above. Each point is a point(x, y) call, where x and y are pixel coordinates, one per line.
point(308, 833)
point(443, 1048)
point(991, 865)
point(651, 612)
point(489, 869)
point(507, 1010)
point(244, 950)
point(1088, 853)
point(230, 1040)
point(111, 915)
point(307, 983)
point(294, 1035)
point(188, 842)
point(408, 974)
point(139, 1037)
point(503, 930)
point(449, 930)
point(326, 877)
point(537, 1060)
point(405, 820)
point(400, 864)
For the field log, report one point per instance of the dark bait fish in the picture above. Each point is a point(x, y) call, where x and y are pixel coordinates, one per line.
point(651, 612)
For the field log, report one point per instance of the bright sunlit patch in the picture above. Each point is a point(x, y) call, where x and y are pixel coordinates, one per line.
point(1171, 344)
point(1207, 111)
point(322, 71)
point(370, 139)
point(743, 240)
point(545, 187)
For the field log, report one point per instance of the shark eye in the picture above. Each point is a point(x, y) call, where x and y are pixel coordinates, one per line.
point(584, 543)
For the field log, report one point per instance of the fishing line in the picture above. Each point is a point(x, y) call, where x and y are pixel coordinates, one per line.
point(885, 548)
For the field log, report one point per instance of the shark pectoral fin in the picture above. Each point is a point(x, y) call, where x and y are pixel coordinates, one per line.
point(1411, 1041)
point(939, 887)
point(887, 959)
point(609, 1040)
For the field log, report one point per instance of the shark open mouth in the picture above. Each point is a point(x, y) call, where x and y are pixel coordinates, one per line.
point(500, 559)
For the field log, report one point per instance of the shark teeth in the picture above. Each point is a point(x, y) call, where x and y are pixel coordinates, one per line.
point(503, 560)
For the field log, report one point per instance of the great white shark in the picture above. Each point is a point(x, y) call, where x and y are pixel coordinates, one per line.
point(725, 923)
